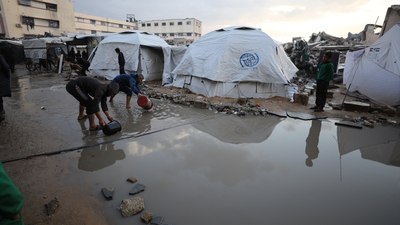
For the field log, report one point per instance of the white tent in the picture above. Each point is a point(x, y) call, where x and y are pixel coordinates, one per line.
point(375, 71)
point(177, 53)
point(144, 53)
point(235, 62)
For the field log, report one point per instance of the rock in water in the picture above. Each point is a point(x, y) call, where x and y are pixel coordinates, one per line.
point(131, 206)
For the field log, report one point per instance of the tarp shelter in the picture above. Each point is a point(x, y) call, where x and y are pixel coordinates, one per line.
point(90, 41)
point(177, 53)
point(144, 53)
point(237, 62)
point(375, 71)
point(38, 48)
point(380, 144)
point(13, 51)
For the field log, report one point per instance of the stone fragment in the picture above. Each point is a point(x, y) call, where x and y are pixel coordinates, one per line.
point(356, 106)
point(158, 220)
point(348, 124)
point(137, 189)
point(132, 179)
point(146, 217)
point(108, 193)
point(52, 206)
point(131, 206)
point(301, 98)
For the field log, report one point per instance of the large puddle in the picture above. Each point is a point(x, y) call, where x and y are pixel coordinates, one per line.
point(224, 169)
point(200, 167)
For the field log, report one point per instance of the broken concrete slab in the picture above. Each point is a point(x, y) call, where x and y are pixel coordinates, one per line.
point(108, 193)
point(131, 206)
point(132, 179)
point(281, 114)
point(304, 116)
point(356, 106)
point(146, 217)
point(349, 124)
point(158, 220)
point(137, 189)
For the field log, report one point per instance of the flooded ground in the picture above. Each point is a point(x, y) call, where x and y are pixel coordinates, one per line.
point(198, 166)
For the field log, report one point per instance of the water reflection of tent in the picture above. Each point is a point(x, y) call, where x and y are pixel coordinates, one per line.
point(380, 144)
point(236, 130)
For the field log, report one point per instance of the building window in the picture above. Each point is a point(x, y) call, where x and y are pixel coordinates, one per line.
point(24, 2)
point(93, 32)
point(128, 27)
point(172, 34)
point(143, 24)
point(121, 26)
point(149, 24)
point(188, 22)
point(179, 23)
point(103, 23)
point(171, 23)
point(180, 34)
point(93, 21)
point(28, 21)
point(163, 24)
point(51, 7)
point(54, 24)
point(156, 24)
point(189, 34)
point(79, 19)
point(164, 34)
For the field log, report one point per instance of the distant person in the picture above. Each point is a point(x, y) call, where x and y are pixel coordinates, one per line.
point(128, 83)
point(78, 55)
point(312, 142)
point(5, 85)
point(90, 93)
point(85, 55)
point(11, 201)
point(71, 55)
point(84, 64)
point(324, 75)
point(121, 61)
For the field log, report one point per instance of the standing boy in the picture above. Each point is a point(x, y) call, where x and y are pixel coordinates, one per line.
point(325, 74)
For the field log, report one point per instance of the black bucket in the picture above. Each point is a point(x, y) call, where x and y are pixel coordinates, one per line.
point(112, 128)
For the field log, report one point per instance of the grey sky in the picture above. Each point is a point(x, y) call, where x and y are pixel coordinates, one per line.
point(282, 19)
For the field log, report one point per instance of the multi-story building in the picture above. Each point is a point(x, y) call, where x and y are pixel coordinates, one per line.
point(174, 31)
point(32, 18)
point(89, 24)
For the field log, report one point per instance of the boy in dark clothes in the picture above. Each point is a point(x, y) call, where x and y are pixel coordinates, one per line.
point(325, 74)
point(121, 61)
point(90, 92)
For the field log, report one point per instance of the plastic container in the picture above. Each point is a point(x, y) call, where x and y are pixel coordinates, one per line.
point(112, 128)
point(144, 102)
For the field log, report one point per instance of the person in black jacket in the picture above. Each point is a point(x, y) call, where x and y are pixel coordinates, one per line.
point(90, 93)
point(5, 85)
point(121, 61)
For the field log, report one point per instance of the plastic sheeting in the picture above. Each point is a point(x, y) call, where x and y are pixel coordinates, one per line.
point(375, 71)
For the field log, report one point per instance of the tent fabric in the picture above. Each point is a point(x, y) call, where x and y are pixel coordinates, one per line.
point(375, 71)
point(234, 55)
point(144, 53)
point(177, 53)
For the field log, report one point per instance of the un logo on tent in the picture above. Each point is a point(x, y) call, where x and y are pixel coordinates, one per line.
point(249, 60)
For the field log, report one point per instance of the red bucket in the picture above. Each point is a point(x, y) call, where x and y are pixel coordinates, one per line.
point(144, 102)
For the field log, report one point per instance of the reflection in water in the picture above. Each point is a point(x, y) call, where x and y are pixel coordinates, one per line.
point(380, 144)
point(236, 130)
point(99, 156)
point(312, 142)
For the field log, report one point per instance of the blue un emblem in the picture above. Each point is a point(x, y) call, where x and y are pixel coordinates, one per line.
point(249, 60)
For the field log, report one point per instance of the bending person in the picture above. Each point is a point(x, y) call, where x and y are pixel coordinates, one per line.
point(90, 93)
point(128, 83)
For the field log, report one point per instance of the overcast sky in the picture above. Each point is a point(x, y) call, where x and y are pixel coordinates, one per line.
point(281, 19)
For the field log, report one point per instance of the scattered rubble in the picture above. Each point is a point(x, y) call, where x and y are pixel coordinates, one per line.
point(131, 206)
point(108, 193)
point(52, 206)
point(146, 217)
point(132, 179)
point(137, 189)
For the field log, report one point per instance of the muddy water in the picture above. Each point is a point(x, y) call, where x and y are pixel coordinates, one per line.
point(204, 168)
